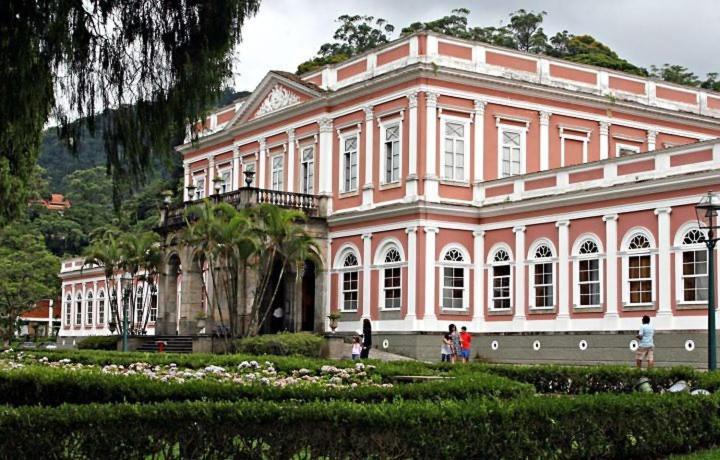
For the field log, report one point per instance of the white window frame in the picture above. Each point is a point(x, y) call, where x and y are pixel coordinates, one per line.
point(277, 175)
point(576, 259)
point(491, 275)
point(89, 307)
point(342, 183)
point(380, 264)
point(532, 261)
point(626, 254)
point(307, 184)
point(384, 125)
point(466, 265)
point(573, 137)
point(679, 248)
point(79, 301)
point(341, 270)
point(620, 146)
point(140, 300)
point(199, 183)
point(466, 122)
point(68, 309)
point(501, 129)
point(245, 166)
point(153, 310)
point(101, 306)
point(225, 173)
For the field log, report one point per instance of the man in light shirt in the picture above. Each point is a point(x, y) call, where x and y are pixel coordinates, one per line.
point(646, 346)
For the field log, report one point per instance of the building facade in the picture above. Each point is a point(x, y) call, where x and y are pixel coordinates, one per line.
point(545, 205)
point(86, 310)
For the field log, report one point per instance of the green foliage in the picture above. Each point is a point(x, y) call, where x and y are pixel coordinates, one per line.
point(101, 342)
point(28, 273)
point(676, 74)
point(613, 427)
point(150, 68)
point(282, 344)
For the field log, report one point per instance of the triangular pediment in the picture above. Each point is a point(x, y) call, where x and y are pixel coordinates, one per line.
point(277, 91)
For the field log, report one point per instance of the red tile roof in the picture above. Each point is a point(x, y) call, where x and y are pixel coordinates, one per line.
point(41, 310)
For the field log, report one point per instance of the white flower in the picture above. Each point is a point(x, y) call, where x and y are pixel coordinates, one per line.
point(214, 369)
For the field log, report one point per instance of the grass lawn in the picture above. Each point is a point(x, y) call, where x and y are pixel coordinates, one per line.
point(710, 454)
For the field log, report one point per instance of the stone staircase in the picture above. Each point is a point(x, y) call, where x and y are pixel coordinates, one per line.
point(175, 343)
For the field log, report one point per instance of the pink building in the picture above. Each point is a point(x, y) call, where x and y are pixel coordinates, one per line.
point(545, 205)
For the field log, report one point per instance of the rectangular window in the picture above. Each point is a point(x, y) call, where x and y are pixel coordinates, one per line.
point(392, 154)
point(89, 310)
point(589, 282)
point(153, 305)
point(695, 276)
point(454, 152)
point(308, 171)
point(544, 285)
point(276, 182)
point(101, 309)
point(350, 164)
point(78, 311)
point(200, 188)
point(511, 152)
point(226, 176)
point(640, 279)
point(501, 287)
point(392, 288)
point(453, 288)
point(350, 291)
point(626, 149)
point(68, 312)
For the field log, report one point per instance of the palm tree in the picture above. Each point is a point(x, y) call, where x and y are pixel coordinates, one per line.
point(106, 252)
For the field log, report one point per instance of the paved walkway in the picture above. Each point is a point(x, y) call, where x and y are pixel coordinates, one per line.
point(375, 354)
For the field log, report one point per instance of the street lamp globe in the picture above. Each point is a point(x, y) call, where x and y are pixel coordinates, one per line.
point(707, 215)
point(707, 211)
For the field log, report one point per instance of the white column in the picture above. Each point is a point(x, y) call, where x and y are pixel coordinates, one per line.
point(544, 140)
point(478, 170)
point(519, 273)
point(95, 296)
point(611, 261)
point(73, 306)
point(367, 189)
point(237, 180)
point(411, 182)
point(651, 138)
point(411, 275)
point(291, 161)
point(328, 284)
point(261, 173)
point(663, 276)
point(479, 286)
point(563, 281)
point(186, 181)
point(430, 270)
point(367, 263)
point(209, 176)
point(604, 139)
point(431, 178)
point(83, 305)
point(325, 160)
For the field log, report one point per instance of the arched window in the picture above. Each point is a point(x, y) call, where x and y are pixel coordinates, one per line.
point(501, 276)
point(694, 274)
point(68, 310)
point(349, 289)
point(101, 307)
point(639, 269)
point(89, 308)
point(78, 309)
point(391, 279)
point(454, 291)
point(588, 275)
point(542, 278)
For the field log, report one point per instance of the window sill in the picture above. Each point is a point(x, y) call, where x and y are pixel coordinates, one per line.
point(390, 185)
point(455, 183)
point(692, 306)
point(541, 311)
point(455, 311)
point(503, 312)
point(638, 307)
point(349, 194)
point(588, 308)
point(390, 309)
point(347, 312)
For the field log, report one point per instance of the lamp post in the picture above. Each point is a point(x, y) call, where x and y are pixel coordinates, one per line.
point(707, 211)
point(126, 283)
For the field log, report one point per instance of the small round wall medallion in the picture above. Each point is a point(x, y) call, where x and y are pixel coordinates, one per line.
point(386, 344)
point(494, 345)
point(689, 345)
point(634, 345)
point(583, 345)
point(536, 345)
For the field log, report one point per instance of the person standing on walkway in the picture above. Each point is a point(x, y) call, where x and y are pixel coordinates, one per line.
point(646, 346)
point(465, 344)
point(367, 339)
point(455, 346)
point(445, 348)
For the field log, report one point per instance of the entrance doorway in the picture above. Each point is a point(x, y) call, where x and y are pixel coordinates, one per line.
point(307, 320)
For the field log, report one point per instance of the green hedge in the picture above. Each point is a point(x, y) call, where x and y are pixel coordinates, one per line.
point(106, 342)
point(51, 387)
point(283, 344)
point(583, 427)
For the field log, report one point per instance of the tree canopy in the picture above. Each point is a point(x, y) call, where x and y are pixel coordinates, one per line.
point(150, 67)
point(522, 32)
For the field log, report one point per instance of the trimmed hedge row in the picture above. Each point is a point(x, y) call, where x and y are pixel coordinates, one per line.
point(52, 387)
point(282, 344)
point(583, 427)
point(101, 342)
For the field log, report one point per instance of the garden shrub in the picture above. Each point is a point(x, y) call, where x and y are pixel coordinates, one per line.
point(582, 427)
point(102, 342)
point(282, 344)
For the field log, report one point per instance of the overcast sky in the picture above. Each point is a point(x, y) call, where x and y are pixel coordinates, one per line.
point(687, 32)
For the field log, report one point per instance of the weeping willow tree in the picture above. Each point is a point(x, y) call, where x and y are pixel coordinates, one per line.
point(150, 66)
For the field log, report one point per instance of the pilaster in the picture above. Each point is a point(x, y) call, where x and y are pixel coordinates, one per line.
point(367, 189)
point(411, 182)
point(367, 264)
point(479, 285)
point(611, 246)
point(291, 161)
point(604, 139)
point(563, 281)
point(544, 140)
point(430, 270)
point(431, 178)
point(479, 156)
point(411, 314)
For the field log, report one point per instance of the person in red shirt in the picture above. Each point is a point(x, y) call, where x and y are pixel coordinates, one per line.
point(465, 343)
